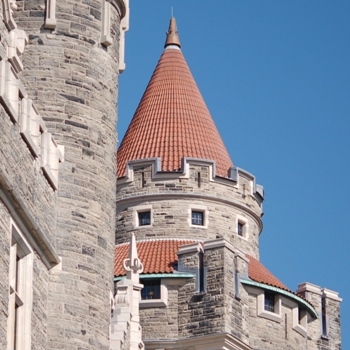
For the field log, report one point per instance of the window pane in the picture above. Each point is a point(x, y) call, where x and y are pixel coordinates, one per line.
point(197, 218)
point(240, 229)
point(145, 218)
point(269, 302)
point(150, 290)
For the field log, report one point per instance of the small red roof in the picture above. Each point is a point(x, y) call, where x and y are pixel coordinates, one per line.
point(172, 121)
point(259, 273)
point(157, 256)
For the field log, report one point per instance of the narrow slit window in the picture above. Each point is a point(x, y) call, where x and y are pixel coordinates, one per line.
point(240, 228)
point(269, 302)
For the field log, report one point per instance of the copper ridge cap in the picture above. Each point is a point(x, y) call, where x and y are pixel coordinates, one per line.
point(172, 34)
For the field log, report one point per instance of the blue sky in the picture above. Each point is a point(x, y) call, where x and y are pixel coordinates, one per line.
point(276, 78)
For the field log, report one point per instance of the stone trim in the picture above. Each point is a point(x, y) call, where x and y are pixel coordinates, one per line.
point(21, 290)
point(106, 38)
point(50, 18)
point(141, 209)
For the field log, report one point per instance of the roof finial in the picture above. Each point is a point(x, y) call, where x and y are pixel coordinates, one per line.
point(172, 12)
point(172, 34)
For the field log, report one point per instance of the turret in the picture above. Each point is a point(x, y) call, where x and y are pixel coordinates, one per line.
point(175, 176)
point(71, 67)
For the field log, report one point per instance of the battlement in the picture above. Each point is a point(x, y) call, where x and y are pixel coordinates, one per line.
point(227, 207)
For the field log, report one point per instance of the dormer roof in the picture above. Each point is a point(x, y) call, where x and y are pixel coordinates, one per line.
point(172, 120)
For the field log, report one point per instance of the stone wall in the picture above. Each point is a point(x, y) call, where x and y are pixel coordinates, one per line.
point(172, 198)
point(72, 78)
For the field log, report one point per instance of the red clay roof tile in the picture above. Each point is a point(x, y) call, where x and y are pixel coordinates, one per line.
point(157, 256)
point(259, 273)
point(172, 121)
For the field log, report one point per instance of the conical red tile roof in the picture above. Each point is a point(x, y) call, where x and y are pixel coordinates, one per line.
point(172, 121)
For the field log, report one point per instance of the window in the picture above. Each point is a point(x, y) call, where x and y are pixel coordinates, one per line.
point(300, 320)
point(269, 304)
point(240, 228)
point(21, 295)
point(154, 293)
point(144, 218)
point(201, 272)
point(324, 318)
point(197, 218)
point(151, 289)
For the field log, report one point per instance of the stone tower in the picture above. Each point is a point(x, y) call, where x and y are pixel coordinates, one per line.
point(70, 71)
point(197, 220)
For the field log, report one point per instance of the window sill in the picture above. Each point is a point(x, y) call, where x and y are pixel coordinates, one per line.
point(270, 316)
point(300, 329)
point(144, 304)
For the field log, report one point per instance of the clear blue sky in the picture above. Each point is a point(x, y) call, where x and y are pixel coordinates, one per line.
point(276, 78)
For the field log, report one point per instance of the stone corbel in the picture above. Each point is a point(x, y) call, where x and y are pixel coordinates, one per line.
point(9, 89)
point(18, 41)
point(7, 7)
point(31, 126)
point(50, 19)
point(106, 38)
point(51, 156)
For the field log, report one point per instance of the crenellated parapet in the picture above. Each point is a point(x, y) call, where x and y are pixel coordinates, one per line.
point(228, 207)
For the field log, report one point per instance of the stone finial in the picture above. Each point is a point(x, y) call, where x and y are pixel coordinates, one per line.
point(132, 264)
point(172, 34)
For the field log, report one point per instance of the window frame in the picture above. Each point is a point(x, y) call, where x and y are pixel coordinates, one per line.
point(262, 312)
point(20, 291)
point(300, 317)
point(240, 220)
point(162, 301)
point(200, 209)
point(136, 219)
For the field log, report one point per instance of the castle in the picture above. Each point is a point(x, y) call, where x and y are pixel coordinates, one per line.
point(193, 276)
